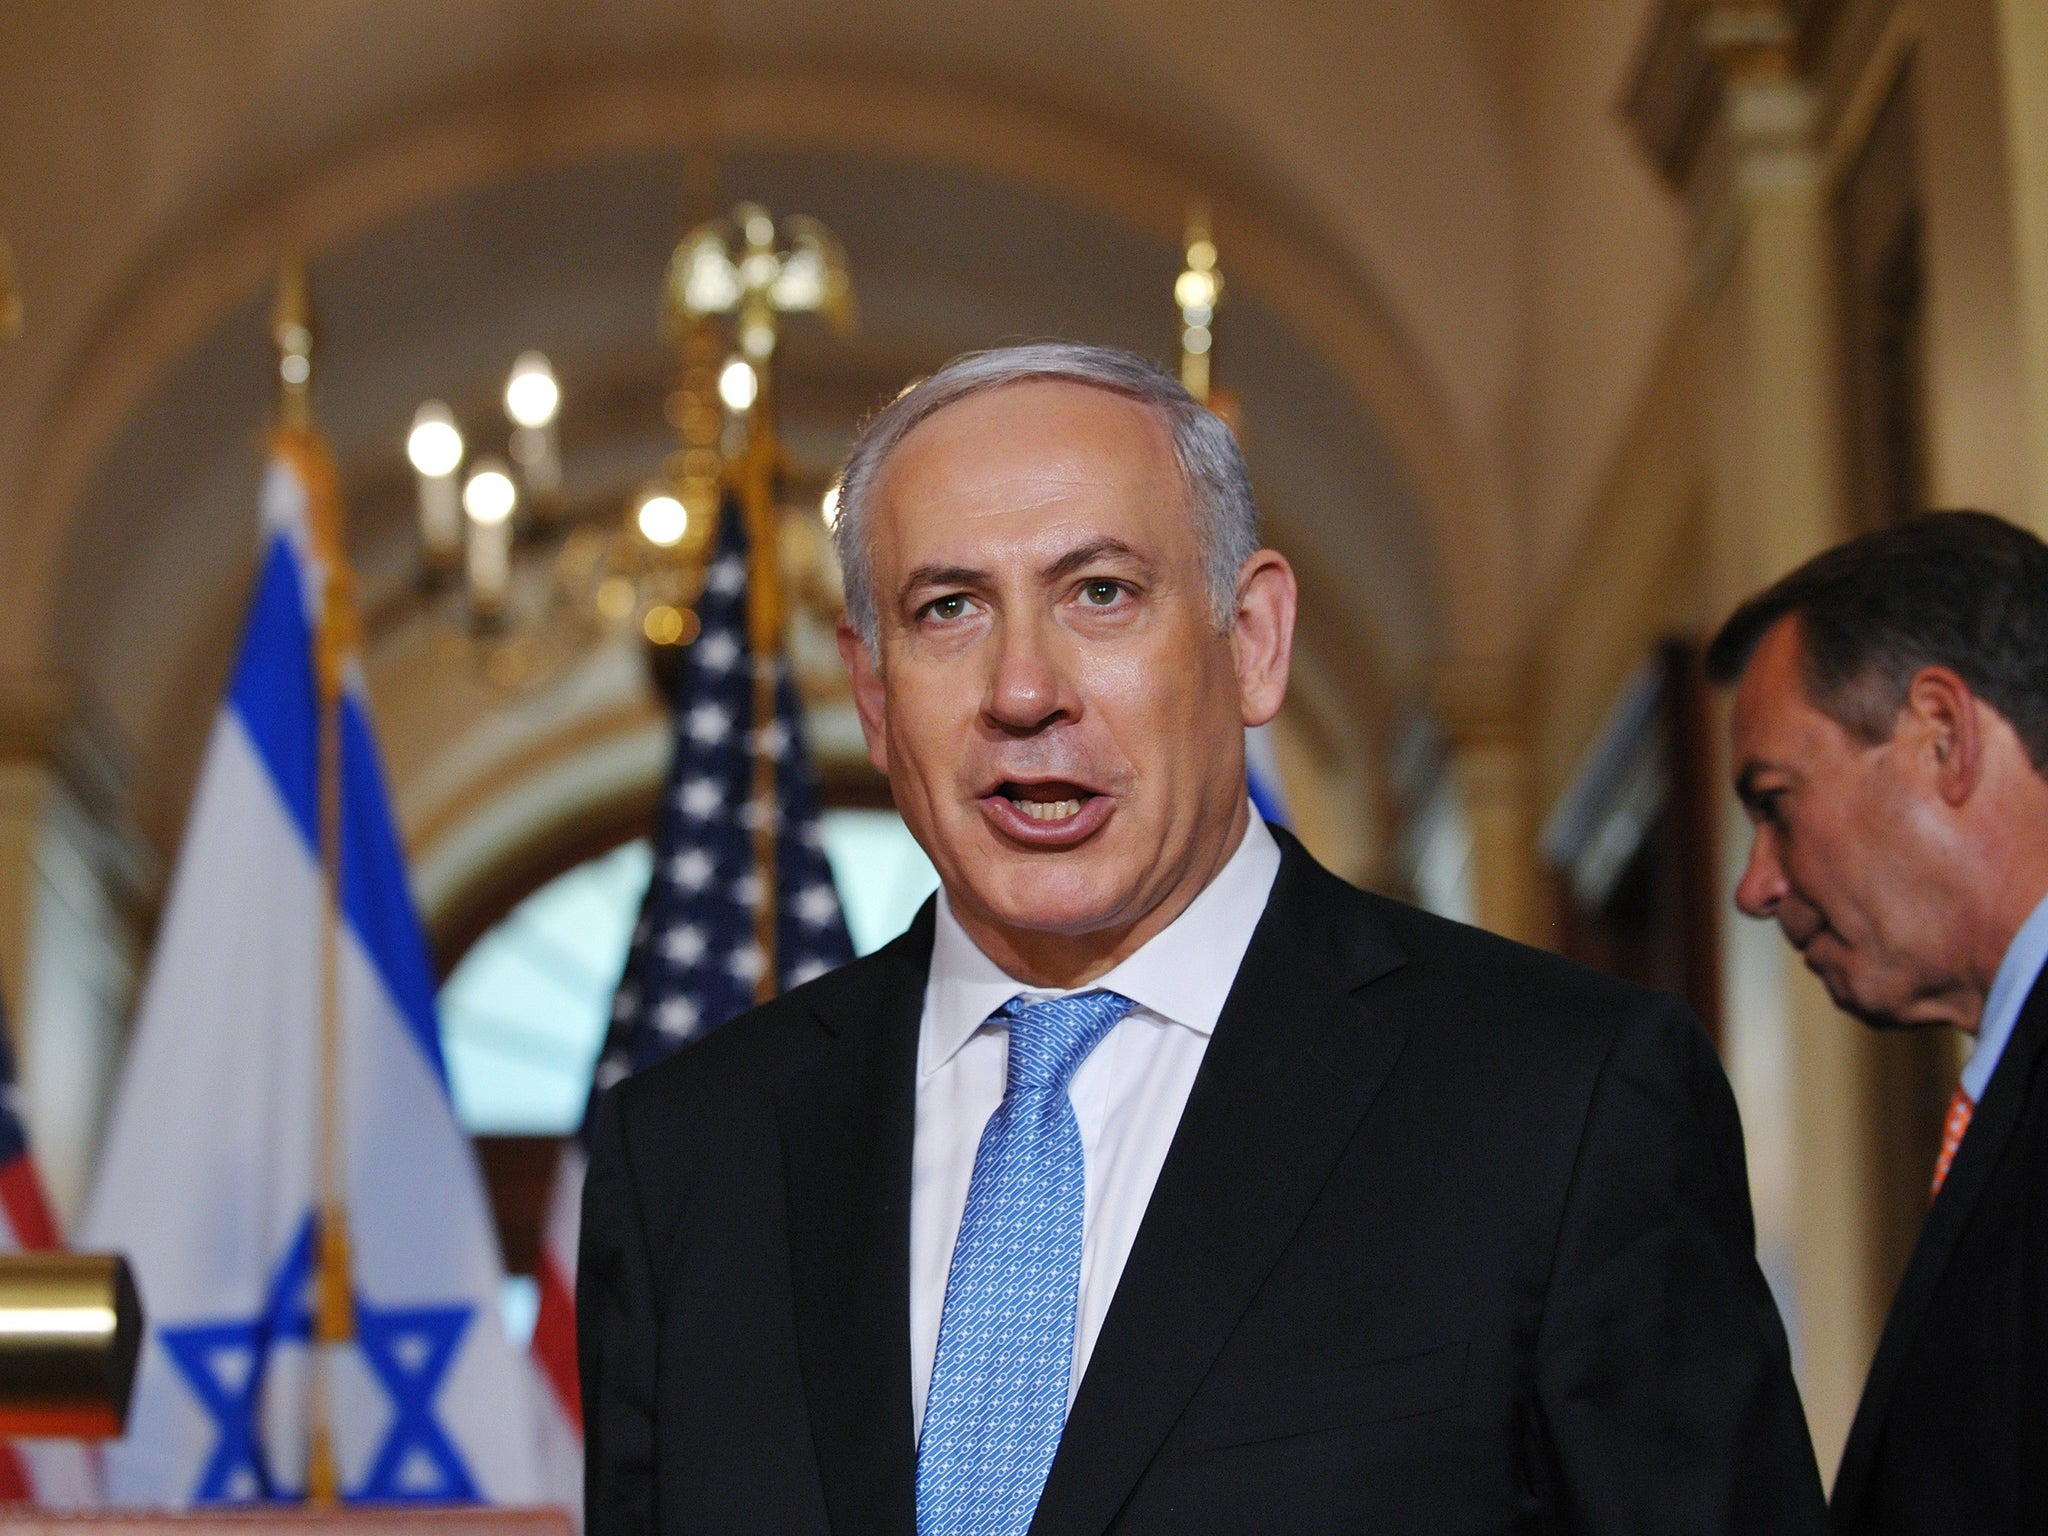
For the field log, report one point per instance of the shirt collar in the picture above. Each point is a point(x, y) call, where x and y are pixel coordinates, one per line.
point(1181, 974)
point(2017, 973)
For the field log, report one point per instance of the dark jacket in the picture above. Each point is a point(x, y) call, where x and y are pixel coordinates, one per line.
point(1454, 1236)
point(1952, 1432)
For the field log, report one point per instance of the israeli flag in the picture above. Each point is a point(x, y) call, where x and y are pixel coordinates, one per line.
point(208, 1177)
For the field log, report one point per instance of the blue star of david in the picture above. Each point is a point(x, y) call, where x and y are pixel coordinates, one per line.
point(225, 1363)
point(408, 1349)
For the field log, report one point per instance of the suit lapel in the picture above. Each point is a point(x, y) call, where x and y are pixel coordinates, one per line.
point(1992, 1125)
point(847, 1121)
point(1292, 1066)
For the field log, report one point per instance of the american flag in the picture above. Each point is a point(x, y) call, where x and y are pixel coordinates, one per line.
point(693, 962)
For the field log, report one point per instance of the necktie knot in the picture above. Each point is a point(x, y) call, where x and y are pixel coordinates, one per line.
point(1051, 1037)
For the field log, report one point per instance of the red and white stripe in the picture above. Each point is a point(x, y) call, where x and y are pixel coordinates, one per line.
point(28, 1222)
point(554, 1338)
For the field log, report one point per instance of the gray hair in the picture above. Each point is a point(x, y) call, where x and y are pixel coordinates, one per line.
point(1212, 470)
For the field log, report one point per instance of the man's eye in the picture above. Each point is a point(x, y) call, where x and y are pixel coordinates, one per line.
point(947, 608)
point(1101, 594)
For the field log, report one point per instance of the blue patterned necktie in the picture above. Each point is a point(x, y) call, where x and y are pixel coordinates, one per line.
point(998, 1398)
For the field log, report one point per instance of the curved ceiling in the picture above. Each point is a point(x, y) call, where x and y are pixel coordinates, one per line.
point(157, 159)
point(568, 258)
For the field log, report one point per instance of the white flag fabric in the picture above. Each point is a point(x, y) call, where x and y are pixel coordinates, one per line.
point(208, 1178)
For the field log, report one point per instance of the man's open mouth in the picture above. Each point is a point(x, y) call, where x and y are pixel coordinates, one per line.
point(1046, 802)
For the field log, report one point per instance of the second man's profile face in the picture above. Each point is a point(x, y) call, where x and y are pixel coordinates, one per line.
point(1060, 719)
point(1838, 856)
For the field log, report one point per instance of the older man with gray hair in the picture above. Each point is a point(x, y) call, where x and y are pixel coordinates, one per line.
point(1890, 742)
point(1155, 1180)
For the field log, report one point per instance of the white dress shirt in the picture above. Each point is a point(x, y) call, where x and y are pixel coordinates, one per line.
point(1128, 1095)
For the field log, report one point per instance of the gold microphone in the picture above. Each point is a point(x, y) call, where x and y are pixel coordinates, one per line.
point(70, 1330)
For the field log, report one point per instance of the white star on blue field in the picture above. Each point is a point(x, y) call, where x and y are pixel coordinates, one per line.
point(694, 961)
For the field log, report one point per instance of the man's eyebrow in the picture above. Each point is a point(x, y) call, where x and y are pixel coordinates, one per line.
point(1073, 560)
point(1087, 554)
point(944, 576)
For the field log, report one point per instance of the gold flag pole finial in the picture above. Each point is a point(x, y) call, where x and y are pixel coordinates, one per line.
point(10, 293)
point(291, 332)
point(1198, 290)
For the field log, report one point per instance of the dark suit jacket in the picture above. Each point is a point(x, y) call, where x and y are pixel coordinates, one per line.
point(1952, 1433)
point(1453, 1237)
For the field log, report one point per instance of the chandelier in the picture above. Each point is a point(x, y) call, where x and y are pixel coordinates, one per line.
point(527, 578)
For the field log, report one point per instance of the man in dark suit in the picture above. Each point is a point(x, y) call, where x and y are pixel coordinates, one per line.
point(1156, 1180)
point(1890, 744)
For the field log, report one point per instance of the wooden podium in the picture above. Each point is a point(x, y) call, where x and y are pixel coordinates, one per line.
point(383, 1521)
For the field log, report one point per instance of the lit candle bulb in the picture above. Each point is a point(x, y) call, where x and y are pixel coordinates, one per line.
point(435, 448)
point(489, 498)
point(533, 400)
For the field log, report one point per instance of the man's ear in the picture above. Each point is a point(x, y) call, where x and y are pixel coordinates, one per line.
point(1947, 731)
point(1262, 636)
point(866, 678)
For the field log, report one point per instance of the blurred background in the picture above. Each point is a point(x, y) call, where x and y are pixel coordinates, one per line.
point(1551, 328)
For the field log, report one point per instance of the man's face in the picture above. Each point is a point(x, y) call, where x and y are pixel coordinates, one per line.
point(1060, 720)
point(1845, 855)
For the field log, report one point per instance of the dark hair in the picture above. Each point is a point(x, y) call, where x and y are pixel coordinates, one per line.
point(1962, 590)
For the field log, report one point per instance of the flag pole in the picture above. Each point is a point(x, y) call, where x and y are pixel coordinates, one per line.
point(758, 465)
point(334, 643)
point(755, 286)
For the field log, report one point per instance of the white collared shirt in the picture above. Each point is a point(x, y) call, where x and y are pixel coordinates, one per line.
point(1127, 1096)
point(2010, 988)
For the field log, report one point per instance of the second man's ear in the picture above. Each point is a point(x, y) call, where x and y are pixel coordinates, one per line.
point(1945, 716)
